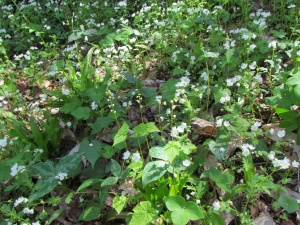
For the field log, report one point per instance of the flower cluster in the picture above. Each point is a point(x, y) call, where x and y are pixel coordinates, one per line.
point(246, 148)
point(135, 156)
point(15, 169)
point(176, 130)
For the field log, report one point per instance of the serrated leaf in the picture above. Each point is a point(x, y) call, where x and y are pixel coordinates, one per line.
point(92, 151)
point(115, 168)
point(229, 54)
point(119, 203)
point(90, 213)
point(88, 183)
point(153, 171)
point(69, 198)
point(289, 204)
point(143, 214)
point(81, 113)
point(121, 135)
point(158, 153)
point(172, 149)
point(109, 181)
point(144, 129)
point(45, 186)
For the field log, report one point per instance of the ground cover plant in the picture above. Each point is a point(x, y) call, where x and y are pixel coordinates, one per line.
point(150, 112)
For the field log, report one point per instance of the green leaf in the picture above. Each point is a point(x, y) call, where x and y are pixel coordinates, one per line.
point(193, 211)
point(144, 129)
point(180, 217)
point(92, 151)
point(54, 216)
point(143, 214)
point(115, 168)
point(229, 54)
point(130, 77)
point(174, 203)
point(44, 187)
point(215, 149)
point(90, 213)
point(177, 71)
point(109, 181)
point(153, 171)
point(298, 137)
point(69, 198)
point(88, 183)
point(216, 219)
point(69, 107)
point(289, 204)
point(293, 80)
point(119, 202)
point(121, 134)
point(222, 179)
point(96, 94)
point(100, 123)
point(43, 169)
point(172, 149)
point(69, 163)
point(249, 168)
point(81, 113)
point(158, 153)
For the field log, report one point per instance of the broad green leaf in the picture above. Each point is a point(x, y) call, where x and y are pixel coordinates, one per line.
point(222, 179)
point(45, 186)
point(143, 214)
point(96, 94)
point(295, 95)
point(188, 147)
point(81, 113)
point(172, 149)
point(180, 217)
point(119, 202)
point(88, 183)
point(121, 135)
point(177, 71)
point(69, 107)
point(216, 219)
point(109, 181)
point(193, 211)
point(174, 203)
point(293, 81)
point(108, 151)
point(43, 169)
point(217, 149)
point(153, 171)
point(289, 204)
point(158, 153)
point(100, 123)
point(69, 163)
point(90, 213)
point(130, 77)
point(115, 168)
point(286, 114)
point(92, 151)
point(144, 129)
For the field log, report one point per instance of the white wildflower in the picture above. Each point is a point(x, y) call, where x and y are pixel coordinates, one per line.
point(186, 163)
point(61, 176)
point(295, 164)
point(126, 155)
point(281, 133)
point(136, 157)
point(216, 205)
point(94, 106)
